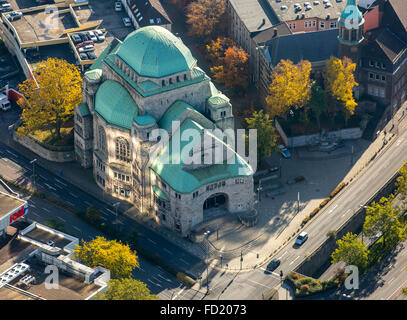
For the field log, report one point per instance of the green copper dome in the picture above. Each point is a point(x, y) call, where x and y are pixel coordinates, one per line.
point(155, 52)
point(351, 17)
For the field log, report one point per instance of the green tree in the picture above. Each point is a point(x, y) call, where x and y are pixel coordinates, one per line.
point(111, 254)
point(351, 250)
point(401, 183)
point(50, 99)
point(266, 134)
point(382, 217)
point(93, 215)
point(126, 289)
point(56, 224)
point(318, 102)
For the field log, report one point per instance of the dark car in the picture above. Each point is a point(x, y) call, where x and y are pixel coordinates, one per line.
point(83, 56)
point(83, 36)
point(91, 55)
point(76, 38)
point(3, 2)
point(273, 265)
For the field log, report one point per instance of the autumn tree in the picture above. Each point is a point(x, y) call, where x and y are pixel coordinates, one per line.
point(339, 82)
point(203, 16)
point(401, 183)
point(216, 49)
point(290, 87)
point(126, 289)
point(233, 73)
point(113, 255)
point(266, 134)
point(382, 217)
point(318, 102)
point(51, 103)
point(351, 250)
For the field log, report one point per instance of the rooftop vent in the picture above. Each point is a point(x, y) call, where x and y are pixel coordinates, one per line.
point(316, 3)
point(328, 5)
point(283, 7)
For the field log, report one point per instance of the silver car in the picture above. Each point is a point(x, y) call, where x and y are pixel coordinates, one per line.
point(86, 49)
point(301, 238)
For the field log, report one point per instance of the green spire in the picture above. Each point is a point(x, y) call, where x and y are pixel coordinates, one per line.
point(351, 17)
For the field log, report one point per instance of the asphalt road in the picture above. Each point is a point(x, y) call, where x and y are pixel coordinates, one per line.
point(251, 285)
point(59, 188)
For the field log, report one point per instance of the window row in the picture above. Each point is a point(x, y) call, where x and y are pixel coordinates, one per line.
point(375, 76)
point(377, 64)
point(121, 177)
point(239, 181)
point(376, 91)
point(100, 180)
point(215, 185)
point(122, 192)
point(174, 80)
point(100, 165)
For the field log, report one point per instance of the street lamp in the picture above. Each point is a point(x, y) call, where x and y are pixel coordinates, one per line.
point(33, 175)
point(259, 188)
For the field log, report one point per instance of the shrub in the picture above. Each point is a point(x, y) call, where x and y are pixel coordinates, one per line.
point(306, 219)
point(314, 212)
point(187, 281)
point(337, 189)
point(93, 215)
point(304, 288)
point(405, 291)
point(324, 202)
point(295, 276)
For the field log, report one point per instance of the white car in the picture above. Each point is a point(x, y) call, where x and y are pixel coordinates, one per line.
point(14, 15)
point(86, 49)
point(92, 36)
point(301, 238)
point(127, 22)
point(99, 34)
point(118, 6)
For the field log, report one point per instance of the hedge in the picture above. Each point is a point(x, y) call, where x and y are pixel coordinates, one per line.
point(324, 202)
point(337, 189)
point(306, 286)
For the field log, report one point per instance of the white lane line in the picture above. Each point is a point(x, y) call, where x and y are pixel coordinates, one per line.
point(12, 153)
point(269, 272)
point(45, 209)
point(50, 186)
point(87, 203)
point(258, 283)
point(110, 211)
point(347, 211)
point(182, 260)
point(76, 228)
point(70, 203)
point(43, 177)
point(151, 240)
point(398, 290)
point(31, 205)
point(333, 208)
point(166, 279)
point(73, 195)
point(179, 292)
point(168, 251)
point(34, 214)
point(282, 255)
point(154, 283)
point(294, 260)
point(62, 219)
point(104, 213)
point(59, 181)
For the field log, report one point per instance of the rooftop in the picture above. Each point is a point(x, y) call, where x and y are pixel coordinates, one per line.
point(149, 12)
point(8, 203)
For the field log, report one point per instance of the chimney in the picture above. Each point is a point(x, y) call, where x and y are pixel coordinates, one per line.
point(275, 32)
point(328, 17)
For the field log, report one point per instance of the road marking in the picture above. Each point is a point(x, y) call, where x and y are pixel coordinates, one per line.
point(110, 211)
point(34, 214)
point(103, 218)
point(76, 228)
point(294, 260)
point(168, 251)
point(166, 279)
point(70, 203)
point(347, 211)
point(399, 141)
point(31, 205)
point(61, 182)
point(333, 208)
point(73, 195)
point(282, 255)
point(43, 177)
point(182, 260)
point(154, 283)
point(62, 219)
point(151, 240)
point(104, 213)
point(179, 292)
point(398, 290)
point(258, 283)
point(45, 209)
point(87, 203)
point(50, 186)
point(12, 153)
point(270, 272)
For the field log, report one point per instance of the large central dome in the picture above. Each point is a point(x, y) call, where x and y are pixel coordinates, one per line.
point(155, 52)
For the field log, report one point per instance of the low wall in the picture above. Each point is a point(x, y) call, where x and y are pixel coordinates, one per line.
point(322, 256)
point(306, 140)
point(55, 156)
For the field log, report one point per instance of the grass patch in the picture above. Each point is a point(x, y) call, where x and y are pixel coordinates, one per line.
point(306, 286)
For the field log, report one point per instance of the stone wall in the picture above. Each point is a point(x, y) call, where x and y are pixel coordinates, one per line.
point(55, 156)
point(307, 140)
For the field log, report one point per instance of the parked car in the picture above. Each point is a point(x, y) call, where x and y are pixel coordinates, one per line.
point(91, 55)
point(86, 48)
point(118, 6)
point(6, 7)
point(127, 22)
point(14, 15)
point(83, 36)
point(273, 265)
point(76, 38)
point(85, 43)
point(3, 1)
point(83, 56)
point(92, 36)
point(284, 152)
point(99, 34)
point(301, 238)
point(50, 243)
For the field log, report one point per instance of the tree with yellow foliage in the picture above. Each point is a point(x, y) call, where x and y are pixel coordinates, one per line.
point(216, 49)
point(233, 73)
point(50, 103)
point(126, 289)
point(203, 16)
point(113, 255)
point(290, 87)
point(339, 82)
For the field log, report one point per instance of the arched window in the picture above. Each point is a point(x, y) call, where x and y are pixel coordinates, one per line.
point(163, 83)
point(101, 139)
point(122, 149)
point(185, 76)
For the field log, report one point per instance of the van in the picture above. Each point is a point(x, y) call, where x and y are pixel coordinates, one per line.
point(4, 103)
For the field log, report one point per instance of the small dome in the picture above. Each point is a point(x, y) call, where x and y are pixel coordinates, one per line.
point(351, 17)
point(155, 52)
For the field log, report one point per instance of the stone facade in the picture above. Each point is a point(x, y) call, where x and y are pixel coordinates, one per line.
point(121, 157)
